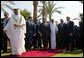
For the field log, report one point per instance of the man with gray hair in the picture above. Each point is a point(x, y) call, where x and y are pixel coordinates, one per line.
point(5, 38)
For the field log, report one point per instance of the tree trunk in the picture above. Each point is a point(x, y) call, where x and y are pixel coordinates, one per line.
point(50, 17)
point(35, 4)
point(44, 12)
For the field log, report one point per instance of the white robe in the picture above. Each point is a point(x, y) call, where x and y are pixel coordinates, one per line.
point(54, 30)
point(16, 36)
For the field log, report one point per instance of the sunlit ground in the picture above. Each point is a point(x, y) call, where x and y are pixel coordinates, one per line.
point(6, 53)
point(75, 53)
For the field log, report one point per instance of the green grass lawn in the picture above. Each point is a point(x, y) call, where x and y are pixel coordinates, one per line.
point(77, 53)
point(6, 53)
point(68, 55)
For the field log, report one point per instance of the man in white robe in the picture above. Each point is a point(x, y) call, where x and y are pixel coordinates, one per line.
point(54, 30)
point(15, 30)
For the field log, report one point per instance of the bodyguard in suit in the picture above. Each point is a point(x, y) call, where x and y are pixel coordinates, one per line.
point(69, 36)
point(61, 34)
point(76, 37)
point(5, 38)
point(81, 32)
point(37, 35)
point(2, 33)
point(29, 33)
point(48, 35)
point(45, 34)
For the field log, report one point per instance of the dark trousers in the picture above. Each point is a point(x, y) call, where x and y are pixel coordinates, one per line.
point(37, 41)
point(45, 41)
point(57, 41)
point(81, 41)
point(49, 42)
point(4, 42)
point(77, 40)
point(69, 43)
point(60, 40)
point(28, 41)
point(27, 44)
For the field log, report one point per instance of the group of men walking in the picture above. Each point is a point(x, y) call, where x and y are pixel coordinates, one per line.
point(48, 35)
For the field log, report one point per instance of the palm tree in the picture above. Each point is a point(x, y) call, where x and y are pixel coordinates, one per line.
point(50, 9)
point(35, 4)
point(5, 3)
point(81, 2)
point(81, 14)
point(42, 10)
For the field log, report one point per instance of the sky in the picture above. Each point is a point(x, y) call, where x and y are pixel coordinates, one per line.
point(71, 8)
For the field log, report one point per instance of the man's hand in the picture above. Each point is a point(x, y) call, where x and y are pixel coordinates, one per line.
point(15, 25)
point(34, 34)
point(40, 33)
point(4, 31)
point(71, 34)
point(23, 24)
point(18, 25)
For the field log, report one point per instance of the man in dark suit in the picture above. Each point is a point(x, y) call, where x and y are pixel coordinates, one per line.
point(45, 34)
point(48, 35)
point(76, 37)
point(69, 36)
point(61, 34)
point(5, 38)
point(29, 33)
point(2, 33)
point(37, 35)
point(81, 32)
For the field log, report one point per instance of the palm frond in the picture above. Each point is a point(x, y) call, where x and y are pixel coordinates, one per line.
point(81, 1)
point(39, 15)
point(8, 6)
point(75, 19)
point(58, 11)
point(3, 9)
point(40, 10)
point(11, 2)
point(59, 7)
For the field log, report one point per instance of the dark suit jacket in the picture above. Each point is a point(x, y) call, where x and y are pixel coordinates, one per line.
point(2, 23)
point(37, 27)
point(81, 27)
point(29, 29)
point(45, 30)
point(70, 27)
point(63, 28)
